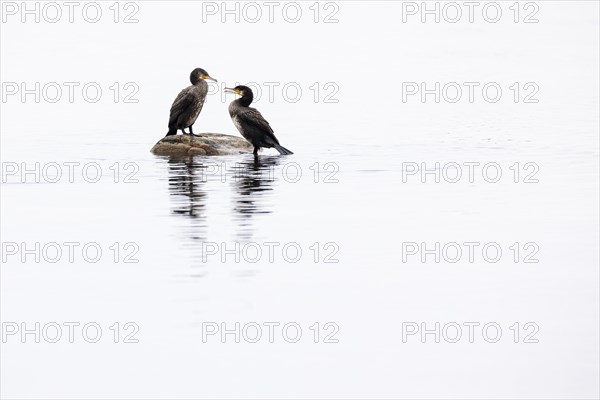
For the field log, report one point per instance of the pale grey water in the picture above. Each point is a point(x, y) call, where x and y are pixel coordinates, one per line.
point(366, 212)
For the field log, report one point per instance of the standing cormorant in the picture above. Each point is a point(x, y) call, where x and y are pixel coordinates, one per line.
point(188, 103)
point(251, 124)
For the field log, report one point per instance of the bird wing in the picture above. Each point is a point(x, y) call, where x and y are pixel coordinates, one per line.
point(181, 103)
point(252, 117)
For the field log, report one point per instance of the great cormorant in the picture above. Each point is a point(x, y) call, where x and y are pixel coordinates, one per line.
point(188, 103)
point(251, 124)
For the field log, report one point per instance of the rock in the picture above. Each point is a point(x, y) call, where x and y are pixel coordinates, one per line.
point(206, 144)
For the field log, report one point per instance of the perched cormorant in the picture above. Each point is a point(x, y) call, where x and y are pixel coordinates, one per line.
point(251, 124)
point(188, 103)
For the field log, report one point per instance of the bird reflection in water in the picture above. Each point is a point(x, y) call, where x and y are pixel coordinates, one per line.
point(254, 176)
point(186, 184)
point(250, 177)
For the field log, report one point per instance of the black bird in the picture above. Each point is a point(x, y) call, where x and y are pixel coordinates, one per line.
point(251, 124)
point(188, 103)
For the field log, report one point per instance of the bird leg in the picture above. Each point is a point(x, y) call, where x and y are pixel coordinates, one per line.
point(255, 151)
point(192, 132)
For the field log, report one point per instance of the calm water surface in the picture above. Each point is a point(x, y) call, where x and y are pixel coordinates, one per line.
point(341, 206)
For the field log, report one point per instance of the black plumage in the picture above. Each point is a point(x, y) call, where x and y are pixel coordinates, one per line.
point(250, 122)
point(189, 102)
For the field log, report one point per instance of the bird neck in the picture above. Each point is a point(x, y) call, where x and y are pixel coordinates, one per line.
point(246, 99)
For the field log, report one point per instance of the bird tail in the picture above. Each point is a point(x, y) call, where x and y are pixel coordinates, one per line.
point(282, 150)
point(171, 132)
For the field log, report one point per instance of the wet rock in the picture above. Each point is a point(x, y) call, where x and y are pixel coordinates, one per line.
point(206, 144)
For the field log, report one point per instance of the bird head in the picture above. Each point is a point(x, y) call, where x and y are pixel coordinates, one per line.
point(199, 74)
point(240, 90)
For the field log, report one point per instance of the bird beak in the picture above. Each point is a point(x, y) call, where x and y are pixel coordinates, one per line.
point(229, 90)
point(209, 78)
